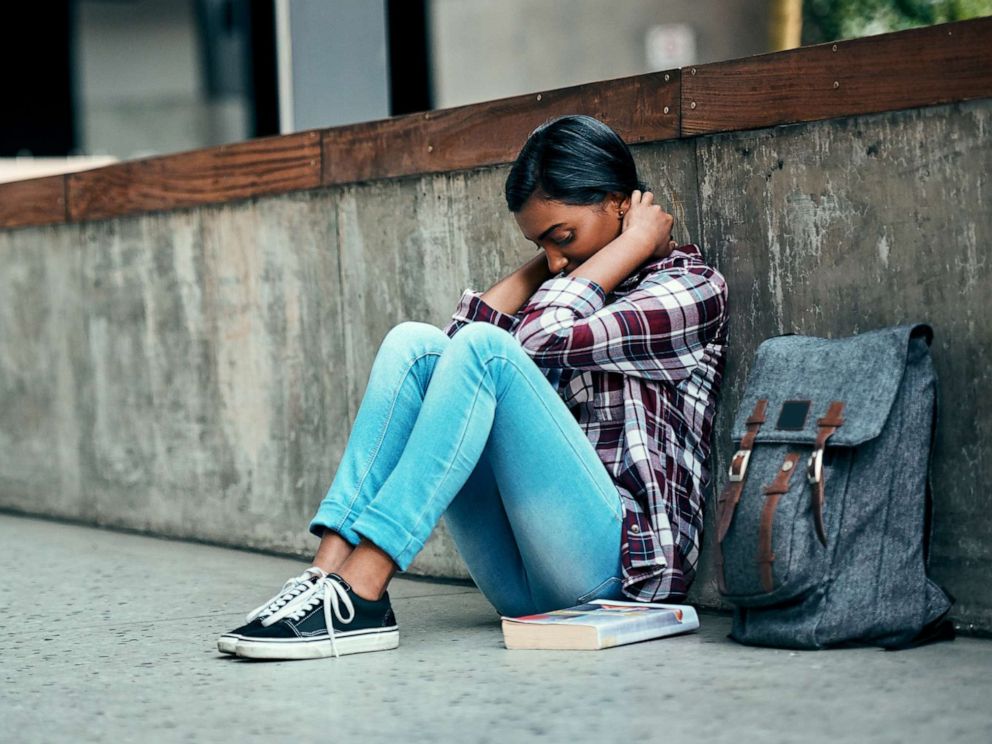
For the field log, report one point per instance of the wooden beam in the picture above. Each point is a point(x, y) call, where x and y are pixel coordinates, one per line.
point(641, 108)
point(268, 165)
point(906, 69)
point(33, 201)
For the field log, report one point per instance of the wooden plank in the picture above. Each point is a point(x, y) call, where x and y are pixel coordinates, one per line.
point(215, 174)
point(640, 108)
point(906, 69)
point(33, 201)
point(919, 67)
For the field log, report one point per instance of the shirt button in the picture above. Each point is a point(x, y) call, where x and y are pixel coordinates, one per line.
point(635, 528)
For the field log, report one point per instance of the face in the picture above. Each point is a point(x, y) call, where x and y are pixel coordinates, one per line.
point(569, 234)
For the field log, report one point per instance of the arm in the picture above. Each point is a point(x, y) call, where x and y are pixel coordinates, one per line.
point(617, 260)
point(646, 231)
point(659, 331)
point(509, 293)
point(499, 303)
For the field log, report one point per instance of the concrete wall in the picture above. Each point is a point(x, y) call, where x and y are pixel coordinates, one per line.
point(196, 373)
point(848, 225)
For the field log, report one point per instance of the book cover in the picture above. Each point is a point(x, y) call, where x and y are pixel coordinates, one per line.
point(601, 623)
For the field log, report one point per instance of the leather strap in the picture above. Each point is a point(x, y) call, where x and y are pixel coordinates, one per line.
point(731, 494)
point(827, 426)
point(830, 423)
point(773, 492)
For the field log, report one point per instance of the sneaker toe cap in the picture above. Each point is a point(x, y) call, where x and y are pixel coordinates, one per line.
point(276, 630)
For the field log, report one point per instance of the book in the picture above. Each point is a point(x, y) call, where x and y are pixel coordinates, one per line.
point(601, 623)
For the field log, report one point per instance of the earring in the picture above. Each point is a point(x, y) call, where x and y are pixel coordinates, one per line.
point(620, 215)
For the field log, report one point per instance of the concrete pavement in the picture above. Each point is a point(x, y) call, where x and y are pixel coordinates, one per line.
point(110, 636)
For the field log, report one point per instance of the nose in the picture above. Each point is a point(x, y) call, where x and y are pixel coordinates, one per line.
point(556, 262)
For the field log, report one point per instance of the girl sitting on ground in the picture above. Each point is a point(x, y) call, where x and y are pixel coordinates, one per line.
point(560, 421)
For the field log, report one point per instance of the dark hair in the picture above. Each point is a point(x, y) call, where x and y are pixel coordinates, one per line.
point(575, 160)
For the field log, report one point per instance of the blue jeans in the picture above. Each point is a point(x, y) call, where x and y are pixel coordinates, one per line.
point(468, 427)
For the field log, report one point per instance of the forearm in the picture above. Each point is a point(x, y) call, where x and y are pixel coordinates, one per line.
point(617, 260)
point(510, 293)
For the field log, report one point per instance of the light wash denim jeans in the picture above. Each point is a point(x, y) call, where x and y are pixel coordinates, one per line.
point(468, 427)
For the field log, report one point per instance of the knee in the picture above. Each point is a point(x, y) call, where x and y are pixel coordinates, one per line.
point(423, 337)
point(483, 334)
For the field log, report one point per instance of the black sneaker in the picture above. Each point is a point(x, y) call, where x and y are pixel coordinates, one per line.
point(294, 588)
point(332, 620)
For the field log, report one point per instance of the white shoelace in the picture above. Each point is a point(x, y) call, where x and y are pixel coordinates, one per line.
point(295, 588)
point(327, 591)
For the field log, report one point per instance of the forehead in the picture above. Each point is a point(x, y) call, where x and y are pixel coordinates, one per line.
point(538, 214)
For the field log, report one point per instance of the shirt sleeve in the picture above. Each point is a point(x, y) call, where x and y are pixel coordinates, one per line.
point(658, 331)
point(471, 308)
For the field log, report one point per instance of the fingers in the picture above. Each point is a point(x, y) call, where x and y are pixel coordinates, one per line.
point(635, 197)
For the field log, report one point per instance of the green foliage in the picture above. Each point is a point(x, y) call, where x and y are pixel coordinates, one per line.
point(827, 20)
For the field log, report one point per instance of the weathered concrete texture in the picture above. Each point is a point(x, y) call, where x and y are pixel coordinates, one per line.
point(843, 226)
point(196, 373)
point(179, 373)
point(115, 640)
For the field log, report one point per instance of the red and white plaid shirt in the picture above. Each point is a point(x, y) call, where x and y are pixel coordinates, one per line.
point(640, 369)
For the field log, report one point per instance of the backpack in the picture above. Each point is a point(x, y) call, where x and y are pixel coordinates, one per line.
point(823, 526)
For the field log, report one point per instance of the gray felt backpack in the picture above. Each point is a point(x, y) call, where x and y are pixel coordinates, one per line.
point(824, 523)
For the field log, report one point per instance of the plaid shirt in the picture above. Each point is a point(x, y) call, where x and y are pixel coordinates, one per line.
point(640, 370)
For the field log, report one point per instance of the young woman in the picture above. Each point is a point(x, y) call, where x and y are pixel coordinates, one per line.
point(560, 422)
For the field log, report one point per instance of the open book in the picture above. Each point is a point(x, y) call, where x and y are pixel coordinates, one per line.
point(601, 623)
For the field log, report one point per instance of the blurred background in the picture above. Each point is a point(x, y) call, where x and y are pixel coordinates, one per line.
point(94, 81)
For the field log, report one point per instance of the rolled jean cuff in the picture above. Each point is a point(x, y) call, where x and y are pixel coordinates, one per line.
point(327, 516)
point(388, 535)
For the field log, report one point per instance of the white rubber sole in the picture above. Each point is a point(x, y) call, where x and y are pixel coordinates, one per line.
point(319, 648)
point(228, 644)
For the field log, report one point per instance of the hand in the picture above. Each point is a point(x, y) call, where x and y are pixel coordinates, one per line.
point(655, 224)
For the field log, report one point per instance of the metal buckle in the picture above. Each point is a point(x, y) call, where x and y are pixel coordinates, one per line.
point(814, 470)
point(745, 455)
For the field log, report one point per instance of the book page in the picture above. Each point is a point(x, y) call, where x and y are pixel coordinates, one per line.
point(605, 613)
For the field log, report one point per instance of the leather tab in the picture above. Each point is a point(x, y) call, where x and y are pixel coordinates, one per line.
point(830, 423)
point(773, 491)
point(754, 422)
point(757, 416)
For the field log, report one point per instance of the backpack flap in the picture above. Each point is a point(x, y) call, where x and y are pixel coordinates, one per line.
point(863, 372)
point(807, 401)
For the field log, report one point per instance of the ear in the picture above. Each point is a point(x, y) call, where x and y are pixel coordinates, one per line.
point(619, 202)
